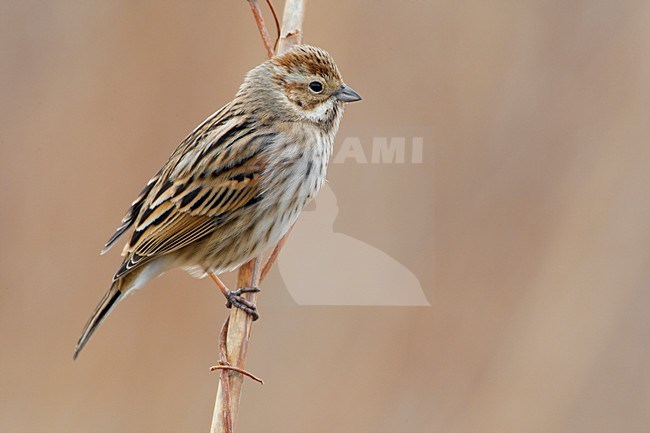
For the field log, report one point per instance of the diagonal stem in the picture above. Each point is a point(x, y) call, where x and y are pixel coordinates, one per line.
point(274, 255)
point(264, 33)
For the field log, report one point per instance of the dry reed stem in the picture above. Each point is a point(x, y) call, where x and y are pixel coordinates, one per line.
point(264, 33)
point(236, 330)
point(274, 254)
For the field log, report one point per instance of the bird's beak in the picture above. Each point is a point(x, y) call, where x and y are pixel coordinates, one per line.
point(346, 94)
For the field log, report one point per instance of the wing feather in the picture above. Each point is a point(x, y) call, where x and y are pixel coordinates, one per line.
point(192, 196)
point(131, 214)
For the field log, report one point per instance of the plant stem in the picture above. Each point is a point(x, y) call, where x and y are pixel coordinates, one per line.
point(236, 331)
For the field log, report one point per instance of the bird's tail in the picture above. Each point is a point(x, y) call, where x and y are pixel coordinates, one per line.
point(106, 305)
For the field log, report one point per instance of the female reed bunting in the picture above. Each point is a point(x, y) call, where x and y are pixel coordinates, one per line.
point(238, 182)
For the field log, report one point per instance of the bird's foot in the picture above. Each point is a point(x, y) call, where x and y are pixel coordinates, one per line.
point(235, 298)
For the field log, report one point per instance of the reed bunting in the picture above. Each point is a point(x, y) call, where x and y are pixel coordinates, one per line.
point(238, 182)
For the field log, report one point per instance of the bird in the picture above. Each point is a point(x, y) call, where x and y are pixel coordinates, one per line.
point(237, 183)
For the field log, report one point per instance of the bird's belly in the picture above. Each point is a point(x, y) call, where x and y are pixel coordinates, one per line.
point(261, 226)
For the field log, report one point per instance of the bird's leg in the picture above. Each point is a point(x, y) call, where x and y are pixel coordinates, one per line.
point(234, 297)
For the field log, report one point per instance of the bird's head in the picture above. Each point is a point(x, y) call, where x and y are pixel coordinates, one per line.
point(304, 84)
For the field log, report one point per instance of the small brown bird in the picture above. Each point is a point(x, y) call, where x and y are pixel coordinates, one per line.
point(238, 182)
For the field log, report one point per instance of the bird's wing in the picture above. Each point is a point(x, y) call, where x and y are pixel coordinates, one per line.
point(136, 206)
point(205, 181)
point(131, 214)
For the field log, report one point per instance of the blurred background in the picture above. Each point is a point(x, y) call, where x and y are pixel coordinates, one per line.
point(527, 224)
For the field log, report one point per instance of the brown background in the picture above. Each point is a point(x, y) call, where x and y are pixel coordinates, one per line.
point(535, 260)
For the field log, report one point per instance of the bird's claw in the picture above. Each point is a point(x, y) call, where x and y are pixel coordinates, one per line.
point(235, 298)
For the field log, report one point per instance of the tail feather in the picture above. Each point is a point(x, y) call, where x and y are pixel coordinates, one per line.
point(106, 305)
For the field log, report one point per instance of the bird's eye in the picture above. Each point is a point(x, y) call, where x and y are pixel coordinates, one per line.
point(316, 86)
